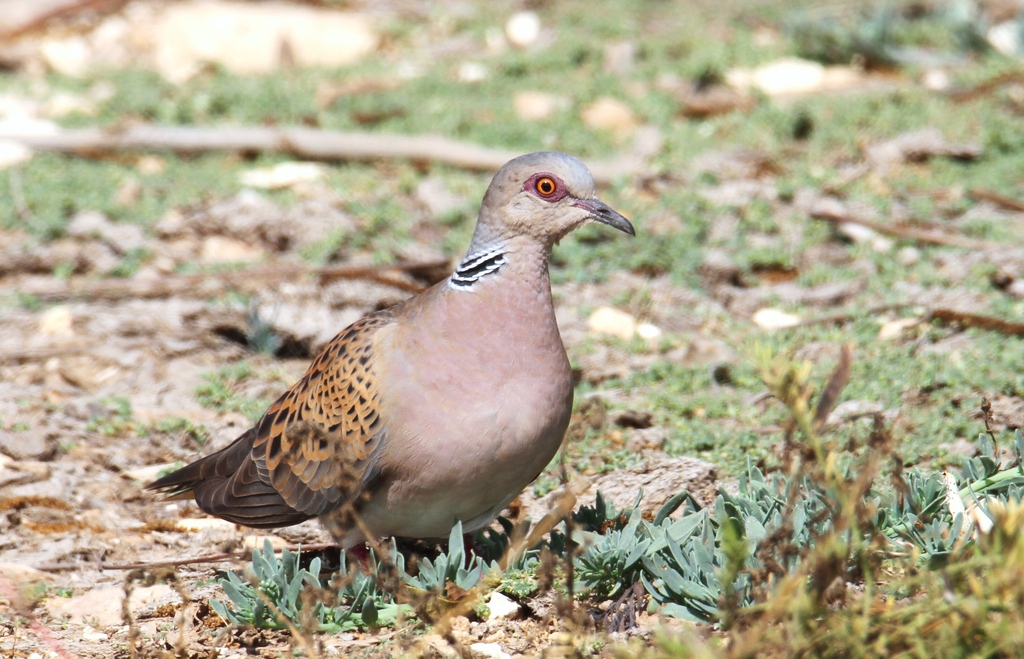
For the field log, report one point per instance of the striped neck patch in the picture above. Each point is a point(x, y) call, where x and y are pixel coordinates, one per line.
point(477, 266)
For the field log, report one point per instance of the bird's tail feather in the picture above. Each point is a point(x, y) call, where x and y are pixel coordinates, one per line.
point(181, 483)
point(226, 484)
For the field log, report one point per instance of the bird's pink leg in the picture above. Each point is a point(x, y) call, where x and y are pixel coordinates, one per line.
point(359, 555)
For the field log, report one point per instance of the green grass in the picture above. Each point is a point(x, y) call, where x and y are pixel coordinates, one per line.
point(222, 391)
point(196, 433)
point(116, 417)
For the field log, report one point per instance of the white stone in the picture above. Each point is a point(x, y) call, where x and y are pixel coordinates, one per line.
point(648, 331)
point(908, 256)
point(204, 524)
point(792, 75)
point(90, 634)
point(787, 76)
point(1016, 289)
point(282, 175)
point(221, 249)
point(775, 319)
point(612, 321)
point(488, 651)
point(611, 114)
point(858, 233)
point(70, 56)
point(522, 29)
point(894, 328)
point(1005, 37)
point(14, 126)
point(935, 80)
point(472, 72)
point(250, 38)
point(15, 105)
point(13, 153)
point(62, 104)
point(147, 473)
point(56, 321)
point(150, 165)
point(501, 607)
point(537, 106)
point(882, 245)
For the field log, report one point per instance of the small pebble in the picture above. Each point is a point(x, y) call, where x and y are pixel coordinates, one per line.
point(522, 29)
point(908, 256)
point(775, 319)
point(501, 607)
point(472, 72)
point(608, 320)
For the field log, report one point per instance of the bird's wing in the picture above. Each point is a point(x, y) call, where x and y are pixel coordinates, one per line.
point(316, 444)
point(312, 451)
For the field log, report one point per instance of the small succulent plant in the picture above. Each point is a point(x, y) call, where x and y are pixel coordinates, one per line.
point(689, 559)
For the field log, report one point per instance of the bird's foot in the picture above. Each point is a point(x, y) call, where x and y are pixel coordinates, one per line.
point(359, 556)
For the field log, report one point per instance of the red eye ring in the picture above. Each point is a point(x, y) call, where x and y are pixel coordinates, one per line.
point(545, 186)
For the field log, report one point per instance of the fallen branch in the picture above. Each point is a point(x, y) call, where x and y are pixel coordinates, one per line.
point(43, 354)
point(977, 320)
point(852, 314)
point(69, 10)
point(931, 236)
point(964, 318)
point(993, 197)
point(209, 284)
point(960, 94)
point(312, 144)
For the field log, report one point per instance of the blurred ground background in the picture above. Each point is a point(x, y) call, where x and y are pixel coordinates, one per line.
point(800, 175)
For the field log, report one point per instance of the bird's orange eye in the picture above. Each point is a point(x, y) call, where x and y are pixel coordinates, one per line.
point(546, 186)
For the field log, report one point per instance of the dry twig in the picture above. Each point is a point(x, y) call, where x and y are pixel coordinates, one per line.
point(852, 314)
point(41, 22)
point(964, 318)
point(961, 94)
point(930, 235)
point(993, 197)
point(313, 144)
point(977, 320)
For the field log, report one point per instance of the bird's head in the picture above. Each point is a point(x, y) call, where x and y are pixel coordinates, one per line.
point(542, 195)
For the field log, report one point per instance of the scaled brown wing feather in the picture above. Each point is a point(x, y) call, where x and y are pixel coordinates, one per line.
point(312, 451)
point(316, 443)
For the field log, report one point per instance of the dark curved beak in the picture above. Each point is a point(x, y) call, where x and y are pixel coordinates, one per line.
point(603, 213)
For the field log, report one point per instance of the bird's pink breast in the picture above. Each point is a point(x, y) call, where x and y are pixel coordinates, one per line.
point(477, 399)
